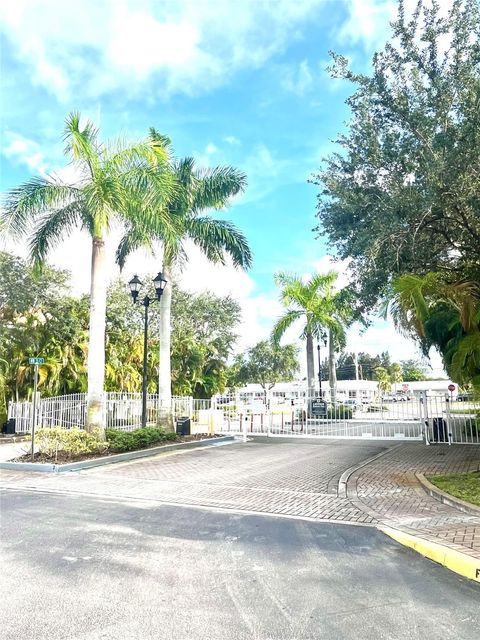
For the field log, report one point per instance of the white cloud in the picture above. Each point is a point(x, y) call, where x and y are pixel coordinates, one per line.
point(232, 140)
point(188, 46)
point(297, 80)
point(210, 149)
point(382, 336)
point(368, 22)
point(265, 170)
point(25, 152)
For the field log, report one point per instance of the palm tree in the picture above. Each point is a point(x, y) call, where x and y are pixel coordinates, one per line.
point(319, 307)
point(116, 181)
point(443, 314)
point(196, 190)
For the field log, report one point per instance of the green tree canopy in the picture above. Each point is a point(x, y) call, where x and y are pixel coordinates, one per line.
point(38, 317)
point(266, 363)
point(402, 192)
point(413, 370)
point(367, 364)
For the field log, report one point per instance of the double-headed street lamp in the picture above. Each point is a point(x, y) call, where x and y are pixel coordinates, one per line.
point(323, 337)
point(135, 285)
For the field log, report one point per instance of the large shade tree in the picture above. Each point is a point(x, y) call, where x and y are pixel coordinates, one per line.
point(196, 191)
point(319, 307)
point(401, 195)
point(266, 363)
point(114, 182)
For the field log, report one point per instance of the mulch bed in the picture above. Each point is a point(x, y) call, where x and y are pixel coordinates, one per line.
point(64, 458)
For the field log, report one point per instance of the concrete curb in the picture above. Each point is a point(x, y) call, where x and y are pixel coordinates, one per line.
point(447, 498)
point(461, 563)
point(119, 457)
point(344, 478)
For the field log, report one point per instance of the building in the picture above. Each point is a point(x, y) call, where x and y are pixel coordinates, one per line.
point(365, 391)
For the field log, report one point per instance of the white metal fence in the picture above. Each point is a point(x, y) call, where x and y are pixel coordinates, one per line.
point(428, 418)
point(121, 411)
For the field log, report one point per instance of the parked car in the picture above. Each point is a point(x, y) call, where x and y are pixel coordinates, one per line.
point(464, 397)
point(389, 398)
point(353, 403)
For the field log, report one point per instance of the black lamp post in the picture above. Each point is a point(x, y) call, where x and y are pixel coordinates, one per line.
point(323, 337)
point(135, 285)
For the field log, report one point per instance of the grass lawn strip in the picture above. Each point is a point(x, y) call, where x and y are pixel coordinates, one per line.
point(465, 486)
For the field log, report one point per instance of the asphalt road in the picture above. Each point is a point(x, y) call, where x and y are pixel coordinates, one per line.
point(84, 568)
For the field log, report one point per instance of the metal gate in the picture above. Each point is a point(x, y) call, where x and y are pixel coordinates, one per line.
point(432, 419)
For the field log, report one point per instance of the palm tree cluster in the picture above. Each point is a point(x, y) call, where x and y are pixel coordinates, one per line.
point(442, 314)
point(156, 198)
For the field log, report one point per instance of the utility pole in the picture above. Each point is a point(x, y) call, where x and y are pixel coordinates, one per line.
point(355, 360)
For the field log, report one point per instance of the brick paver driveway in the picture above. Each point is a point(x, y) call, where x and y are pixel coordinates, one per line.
point(288, 477)
point(388, 490)
point(294, 478)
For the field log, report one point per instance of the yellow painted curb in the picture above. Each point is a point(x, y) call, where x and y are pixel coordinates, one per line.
point(457, 561)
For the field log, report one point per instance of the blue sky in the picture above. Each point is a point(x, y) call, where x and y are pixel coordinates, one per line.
point(242, 83)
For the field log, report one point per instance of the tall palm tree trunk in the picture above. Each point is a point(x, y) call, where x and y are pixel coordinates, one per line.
point(332, 372)
point(164, 368)
point(96, 343)
point(310, 366)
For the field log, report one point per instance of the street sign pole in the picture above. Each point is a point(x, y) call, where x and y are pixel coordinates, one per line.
point(451, 388)
point(34, 417)
point(35, 362)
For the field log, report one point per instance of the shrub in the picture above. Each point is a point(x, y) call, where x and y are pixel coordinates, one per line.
point(138, 438)
point(73, 442)
point(340, 412)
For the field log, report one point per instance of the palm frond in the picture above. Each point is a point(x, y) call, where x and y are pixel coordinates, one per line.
point(36, 196)
point(81, 144)
point(216, 187)
point(132, 240)
point(123, 155)
point(322, 283)
point(217, 238)
point(466, 357)
point(284, 323)
point(52, 228)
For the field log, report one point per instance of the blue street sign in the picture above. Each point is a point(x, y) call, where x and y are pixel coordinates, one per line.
point(36, 360)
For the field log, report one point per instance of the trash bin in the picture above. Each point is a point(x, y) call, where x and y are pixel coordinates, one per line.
point(440, 433)
point(9, 426)
point(183, 426)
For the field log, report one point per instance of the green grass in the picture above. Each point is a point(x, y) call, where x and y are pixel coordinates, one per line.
point(465, 486)
point(471, 411)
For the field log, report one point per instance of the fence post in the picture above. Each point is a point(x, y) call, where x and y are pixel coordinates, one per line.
point(448, 419)
point(424, 415)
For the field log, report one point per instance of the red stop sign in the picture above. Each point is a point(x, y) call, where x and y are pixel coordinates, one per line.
point(451, 387)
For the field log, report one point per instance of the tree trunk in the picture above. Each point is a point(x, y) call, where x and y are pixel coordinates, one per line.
point(164, 367)
point(96, 338)
point(332, 372)
point(310, 367)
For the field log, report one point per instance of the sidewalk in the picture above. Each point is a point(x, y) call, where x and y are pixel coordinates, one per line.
point(9, 450)
point(389, 492)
